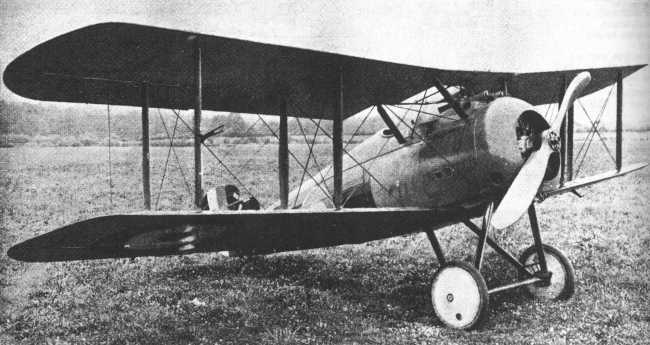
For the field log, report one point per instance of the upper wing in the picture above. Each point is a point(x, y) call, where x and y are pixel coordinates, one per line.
point(107, 63)
point(173, 233)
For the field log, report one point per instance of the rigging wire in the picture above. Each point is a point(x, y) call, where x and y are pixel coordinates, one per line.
point(468, 180)
point(253, 156)
point(169, 151)
point(362, 167)
point(318, 166)
point(164, 173)
point(326, 193)
point(349, 141)
point(311, 149)
point(329, 167)
point(354, 159)
point(196, 133)
point(598, 118)
point(425, 112)
point(595, 129)
point(423, 99)
point(419, 112)
point(228, 154)
point(304, 135)
point(380, 149)
point(595, 125)
point(178, 161)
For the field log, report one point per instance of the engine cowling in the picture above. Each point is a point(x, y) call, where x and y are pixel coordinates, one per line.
point(497, 140)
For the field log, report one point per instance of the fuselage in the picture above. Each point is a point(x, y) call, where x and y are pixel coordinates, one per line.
point(443, 163)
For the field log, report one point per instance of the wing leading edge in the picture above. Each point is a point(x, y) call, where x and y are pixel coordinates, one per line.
point(109, 62)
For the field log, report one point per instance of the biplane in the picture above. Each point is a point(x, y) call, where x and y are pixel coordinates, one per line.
point(484, 151)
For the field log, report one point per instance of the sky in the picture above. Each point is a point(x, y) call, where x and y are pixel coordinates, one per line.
point(513, 36)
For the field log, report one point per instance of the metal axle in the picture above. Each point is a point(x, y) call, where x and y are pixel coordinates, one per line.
point(515, 285)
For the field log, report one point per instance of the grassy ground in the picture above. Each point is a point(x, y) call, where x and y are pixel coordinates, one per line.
point(372, 293)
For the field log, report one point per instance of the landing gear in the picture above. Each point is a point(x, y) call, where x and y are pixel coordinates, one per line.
point(459, 295)
point(562, 281)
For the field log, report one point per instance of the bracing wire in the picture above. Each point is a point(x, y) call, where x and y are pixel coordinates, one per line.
point(595, 129)
point(356, 131)
point(214, 155)
point(419, 111)
point(319, 128)
point(591, 134)
point(597, 120)
point(304, 135)
point(432, 147)
point(362, 167)
point(169, 151)
point(425, 112)
point(311, 149)
point(254, 155)
point(178, 161)
point(227, 155)
point(423, 99)
point(326, 193)
point(357, 163)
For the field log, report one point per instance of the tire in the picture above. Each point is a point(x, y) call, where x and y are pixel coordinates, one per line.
point(562, 284)
point(459, 296)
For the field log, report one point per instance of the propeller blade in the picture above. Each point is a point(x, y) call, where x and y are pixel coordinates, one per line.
point(527, 182)
point(523, 188)
point(575, 88)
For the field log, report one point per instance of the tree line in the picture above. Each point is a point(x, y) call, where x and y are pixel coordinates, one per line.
point(91, 122)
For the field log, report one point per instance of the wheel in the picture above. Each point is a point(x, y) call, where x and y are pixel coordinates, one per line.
point(459, 295)
point(562, 285)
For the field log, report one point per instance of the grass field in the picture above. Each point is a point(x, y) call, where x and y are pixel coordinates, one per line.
point(371, 293)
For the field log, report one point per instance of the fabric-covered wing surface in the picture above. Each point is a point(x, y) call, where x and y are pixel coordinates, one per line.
point(108, 62)
point(174, 233)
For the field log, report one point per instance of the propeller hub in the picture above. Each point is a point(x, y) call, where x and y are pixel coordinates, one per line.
point(553, 140)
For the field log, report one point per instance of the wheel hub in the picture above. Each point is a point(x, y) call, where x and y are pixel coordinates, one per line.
point(459, 295)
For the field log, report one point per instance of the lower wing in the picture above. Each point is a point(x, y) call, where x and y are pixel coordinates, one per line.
point(571, 186)
point(254, 232)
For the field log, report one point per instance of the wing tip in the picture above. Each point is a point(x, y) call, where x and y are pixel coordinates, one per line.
point(21, 253)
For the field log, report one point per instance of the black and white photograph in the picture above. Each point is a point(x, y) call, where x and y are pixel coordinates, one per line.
point(324, 172)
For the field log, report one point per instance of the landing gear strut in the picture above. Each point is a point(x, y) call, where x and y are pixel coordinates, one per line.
point(459, 294)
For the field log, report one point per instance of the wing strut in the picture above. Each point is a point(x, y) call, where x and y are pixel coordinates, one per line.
point(198, 105)
point(449, 98)
point(146, 180)
point(283, 159)
point(569, 144)
point(560, 94)
point(619, 120)
point(337, 145)
point(391, 125)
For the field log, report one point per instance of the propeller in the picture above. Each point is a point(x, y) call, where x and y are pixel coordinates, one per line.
point(527, 182)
